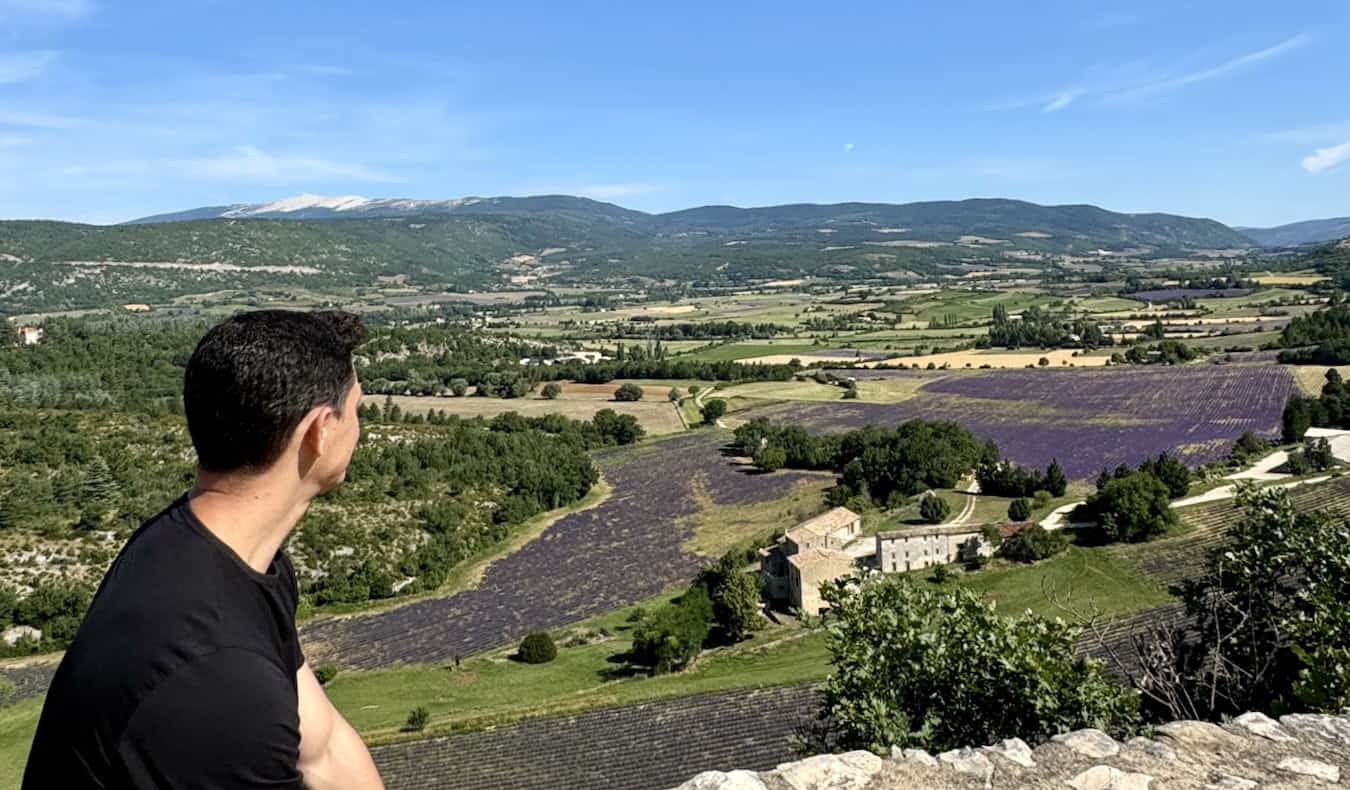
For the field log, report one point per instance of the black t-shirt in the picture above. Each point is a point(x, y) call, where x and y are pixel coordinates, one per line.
point(182, 674)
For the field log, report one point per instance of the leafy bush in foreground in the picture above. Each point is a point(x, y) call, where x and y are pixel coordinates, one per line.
point(939, 669)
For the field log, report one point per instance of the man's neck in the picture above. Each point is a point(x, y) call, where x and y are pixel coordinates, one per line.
point(252, 516)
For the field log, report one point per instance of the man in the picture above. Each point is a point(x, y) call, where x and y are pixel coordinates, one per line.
point(187, 670)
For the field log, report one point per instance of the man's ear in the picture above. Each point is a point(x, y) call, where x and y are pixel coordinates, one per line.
point(315, 431)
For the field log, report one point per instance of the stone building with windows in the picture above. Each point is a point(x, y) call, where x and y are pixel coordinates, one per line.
point(830, 531)
point(807, 570)
point(912, 549)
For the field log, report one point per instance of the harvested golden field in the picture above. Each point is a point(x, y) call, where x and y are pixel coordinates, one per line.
point(657, 415)
point(1061, 357)
point(806, 358)
point(1310, 378)
point(1289, 279)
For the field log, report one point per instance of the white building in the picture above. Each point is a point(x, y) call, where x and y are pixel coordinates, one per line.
point(912, 549)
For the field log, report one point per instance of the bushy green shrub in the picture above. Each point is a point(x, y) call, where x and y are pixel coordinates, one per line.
point(417, 719)
point(1019, 509)
point(552, 390)
point(537, 648)
point(1033, 543)
point(628, 392)
point(948, 670)
point(325, 673)
point(934, 509)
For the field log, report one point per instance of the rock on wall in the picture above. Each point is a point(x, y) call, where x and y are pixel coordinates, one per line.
point(1252, 751)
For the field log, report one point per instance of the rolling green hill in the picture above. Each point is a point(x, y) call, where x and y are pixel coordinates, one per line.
point(480, 243)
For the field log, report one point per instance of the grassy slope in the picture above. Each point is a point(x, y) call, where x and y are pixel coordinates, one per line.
point(17, 723)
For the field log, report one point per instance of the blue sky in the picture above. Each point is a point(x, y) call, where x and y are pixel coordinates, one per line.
point(1237, 110)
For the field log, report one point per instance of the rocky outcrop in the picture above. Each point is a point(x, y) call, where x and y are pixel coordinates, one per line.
point(1252, 751)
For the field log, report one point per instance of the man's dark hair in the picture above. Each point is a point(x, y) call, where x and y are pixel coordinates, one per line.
point(253, 378)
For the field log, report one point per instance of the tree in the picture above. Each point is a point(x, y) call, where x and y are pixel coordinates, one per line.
point(1171, 472)
point(1133, 508)
point(770, 458)
point(713, 410)
point(552, 390)
point(667, 639)
point(458, 387)
point(934, 509)
point(1019, 509)
point(417, 719)
point(1054, 481)
point(325, 673)
point(628, 392)
point(674, 395)
point(940, 668)
point(1033, 543)
point(1296, 419)
point(617, 428)
point(1043, 362)
point(1266, 626)
point(1318, 454)
point(537, 648)
point(736, 605)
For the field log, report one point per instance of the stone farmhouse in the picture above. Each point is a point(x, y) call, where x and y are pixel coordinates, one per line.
point(813, 552)
point(912, 549)
point(821, 537)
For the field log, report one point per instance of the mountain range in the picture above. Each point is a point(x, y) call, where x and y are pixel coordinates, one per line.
point(1313, 231)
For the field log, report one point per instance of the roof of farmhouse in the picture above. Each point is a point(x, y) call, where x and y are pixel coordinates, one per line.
point(932, 531)
point(824, 524)
point(813, 557)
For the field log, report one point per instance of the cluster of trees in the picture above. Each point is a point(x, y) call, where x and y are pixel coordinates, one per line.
point(1331, 409)
point(54, 608)
point(1266, 626)
point(477, 480)
point(882, 465)
point(1043, 329)
point(1134, 505)
point(1005, 478)
point(720, 607)
point(708, 330)
point(1320, 338)
point(1164, 352)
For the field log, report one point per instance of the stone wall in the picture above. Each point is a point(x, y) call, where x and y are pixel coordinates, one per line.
point(1253, 751)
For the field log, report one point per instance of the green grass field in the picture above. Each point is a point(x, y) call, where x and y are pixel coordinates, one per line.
point(17, 723)
point(1084, 578)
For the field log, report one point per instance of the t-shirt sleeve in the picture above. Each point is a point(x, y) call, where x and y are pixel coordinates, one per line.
point(296, 652)
point(227, 720)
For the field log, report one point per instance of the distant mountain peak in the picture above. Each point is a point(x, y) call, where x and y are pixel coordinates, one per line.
point(300, 203)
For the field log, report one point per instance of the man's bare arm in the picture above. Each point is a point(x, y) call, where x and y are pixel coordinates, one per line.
point(332, 755)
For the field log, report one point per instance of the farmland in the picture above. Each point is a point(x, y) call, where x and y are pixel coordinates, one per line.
point(656, 414)
point(1087, 419)
point(626, 549)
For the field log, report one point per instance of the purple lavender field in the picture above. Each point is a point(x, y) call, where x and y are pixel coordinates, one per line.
point(1164, 294)
point(628, 548)
point(1087, 419)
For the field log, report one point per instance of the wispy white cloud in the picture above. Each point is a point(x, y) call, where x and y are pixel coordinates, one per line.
point(1202, 75)
point(24, 66)
point(848, 148)
point(251, 164)
point(1326, 158)
point(64, 9)
point(1060, 102)
point(1135, 81)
